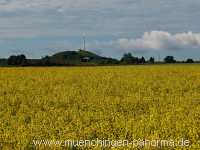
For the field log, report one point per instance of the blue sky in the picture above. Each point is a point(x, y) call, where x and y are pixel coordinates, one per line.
point(112, 27)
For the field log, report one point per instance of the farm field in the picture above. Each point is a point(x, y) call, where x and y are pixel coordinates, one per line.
point(86, 103)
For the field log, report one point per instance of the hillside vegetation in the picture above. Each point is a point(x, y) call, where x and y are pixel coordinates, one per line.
point(79, 58)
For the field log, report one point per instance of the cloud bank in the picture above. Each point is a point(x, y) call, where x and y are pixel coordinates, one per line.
point(98, 18)
point(156, 40)
point(35, 25)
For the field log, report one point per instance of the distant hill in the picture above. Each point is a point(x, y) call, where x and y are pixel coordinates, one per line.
point(80, 57)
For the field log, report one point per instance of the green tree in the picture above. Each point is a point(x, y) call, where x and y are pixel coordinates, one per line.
point(19, 60)
point(189, 60)
point(169, 59)
point(127, 58)
point(151, 60)
point(142, 60)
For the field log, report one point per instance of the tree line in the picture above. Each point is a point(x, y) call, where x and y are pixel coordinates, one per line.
point(127, 59)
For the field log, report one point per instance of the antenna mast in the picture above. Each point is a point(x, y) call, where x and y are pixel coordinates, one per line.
point(84, 41)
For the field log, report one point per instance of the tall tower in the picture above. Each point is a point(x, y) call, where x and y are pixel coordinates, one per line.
point(84, 42)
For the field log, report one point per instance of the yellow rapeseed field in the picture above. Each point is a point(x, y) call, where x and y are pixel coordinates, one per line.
point(86, 103)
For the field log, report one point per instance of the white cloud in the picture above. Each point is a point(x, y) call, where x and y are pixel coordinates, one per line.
point(156, 40)
point(98, 18)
